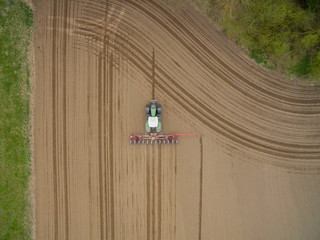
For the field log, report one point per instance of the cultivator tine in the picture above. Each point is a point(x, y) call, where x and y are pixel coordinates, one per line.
point(155, 141)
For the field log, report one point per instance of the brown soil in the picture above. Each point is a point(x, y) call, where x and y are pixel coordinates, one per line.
point(254, 173)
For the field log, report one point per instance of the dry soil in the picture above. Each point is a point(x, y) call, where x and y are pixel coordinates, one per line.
point(253, 174)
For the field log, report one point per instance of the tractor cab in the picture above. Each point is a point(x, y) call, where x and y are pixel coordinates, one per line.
point(153, 114)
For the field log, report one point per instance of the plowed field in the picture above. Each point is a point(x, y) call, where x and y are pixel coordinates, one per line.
point(253, 174)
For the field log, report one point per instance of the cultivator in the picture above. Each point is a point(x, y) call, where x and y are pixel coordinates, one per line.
point(153, 128)
point(153, 138)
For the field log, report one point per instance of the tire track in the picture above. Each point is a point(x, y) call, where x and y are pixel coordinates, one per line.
point(110, 144)
point(104, 126)
point(175, 193)
point(159, 192)
point(153, 74)
point(153, 197)
point(65, 158)
point(100, 131)
point(200, 192)
point(103, 167)
point(148, 180)
point(102, 151)
point(54, 133)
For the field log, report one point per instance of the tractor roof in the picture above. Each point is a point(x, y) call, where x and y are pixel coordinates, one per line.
point(153, 122)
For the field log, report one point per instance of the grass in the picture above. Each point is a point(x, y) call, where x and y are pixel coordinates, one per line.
point(258, 56)
point(15, 29)
point(301, 68)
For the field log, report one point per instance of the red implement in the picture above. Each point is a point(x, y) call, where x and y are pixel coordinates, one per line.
point(156, 138)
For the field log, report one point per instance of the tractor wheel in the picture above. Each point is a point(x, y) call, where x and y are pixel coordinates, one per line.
point(147, 109)
point(159, 109)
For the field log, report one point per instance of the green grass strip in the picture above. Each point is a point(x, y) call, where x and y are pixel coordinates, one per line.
point(15, 31)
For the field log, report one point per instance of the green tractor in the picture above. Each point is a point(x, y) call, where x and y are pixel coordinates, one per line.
point(153, 133)
point(153, 114)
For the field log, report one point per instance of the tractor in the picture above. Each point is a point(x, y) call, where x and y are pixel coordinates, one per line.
point(153, 127)
point(153, 114)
